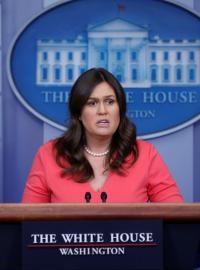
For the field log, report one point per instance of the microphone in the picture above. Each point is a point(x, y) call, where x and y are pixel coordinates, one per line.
point(87, 197)
point(103, 196)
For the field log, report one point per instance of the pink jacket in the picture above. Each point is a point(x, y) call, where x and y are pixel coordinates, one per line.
point(147, 180)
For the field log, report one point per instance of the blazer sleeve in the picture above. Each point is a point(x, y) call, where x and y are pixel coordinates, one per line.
point(161, 185)
point(36, 189)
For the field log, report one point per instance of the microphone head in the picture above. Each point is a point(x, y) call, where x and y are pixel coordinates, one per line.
point(104, 196)
point(88, 196)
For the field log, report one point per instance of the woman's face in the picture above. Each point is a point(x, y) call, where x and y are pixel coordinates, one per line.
point(100, 115)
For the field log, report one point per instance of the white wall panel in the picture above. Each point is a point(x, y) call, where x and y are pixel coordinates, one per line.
point(1, 113)
point(50, 2)
point(188, 3)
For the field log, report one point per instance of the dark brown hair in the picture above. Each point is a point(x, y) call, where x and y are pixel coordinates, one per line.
point(69, 148)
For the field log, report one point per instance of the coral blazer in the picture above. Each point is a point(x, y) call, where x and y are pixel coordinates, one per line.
point(147, 180)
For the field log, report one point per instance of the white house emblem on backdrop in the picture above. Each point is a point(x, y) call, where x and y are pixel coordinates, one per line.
point(124, 49)
point(156, 59)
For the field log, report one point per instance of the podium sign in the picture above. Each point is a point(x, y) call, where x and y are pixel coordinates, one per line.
point(93, 244)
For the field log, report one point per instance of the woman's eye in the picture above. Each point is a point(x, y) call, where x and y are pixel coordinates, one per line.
point(110, 101)
point(91, 103)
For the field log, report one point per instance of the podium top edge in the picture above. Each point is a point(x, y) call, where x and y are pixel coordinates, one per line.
point(17, 212)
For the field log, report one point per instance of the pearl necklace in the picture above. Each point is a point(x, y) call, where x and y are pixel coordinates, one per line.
point(95, 154)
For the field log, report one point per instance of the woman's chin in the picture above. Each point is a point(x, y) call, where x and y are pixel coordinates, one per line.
point(104, 134)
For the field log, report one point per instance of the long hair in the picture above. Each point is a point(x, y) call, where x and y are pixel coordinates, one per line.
point(70, 147)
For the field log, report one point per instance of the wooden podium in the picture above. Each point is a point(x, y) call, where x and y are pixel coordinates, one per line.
point(181, 226)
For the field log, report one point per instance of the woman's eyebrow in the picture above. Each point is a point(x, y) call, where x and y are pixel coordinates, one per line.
point(109, 96)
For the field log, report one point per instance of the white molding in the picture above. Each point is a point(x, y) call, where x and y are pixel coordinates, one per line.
point(187, 3)
point(47, 3)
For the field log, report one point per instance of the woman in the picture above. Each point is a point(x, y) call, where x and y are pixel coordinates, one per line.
point(99, 153)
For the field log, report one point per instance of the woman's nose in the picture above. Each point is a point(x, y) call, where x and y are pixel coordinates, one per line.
point(102, 108)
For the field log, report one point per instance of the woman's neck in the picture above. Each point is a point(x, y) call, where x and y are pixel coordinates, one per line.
point(98, 144)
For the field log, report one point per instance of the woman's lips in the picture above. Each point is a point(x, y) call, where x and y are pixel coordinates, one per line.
point(103, 123)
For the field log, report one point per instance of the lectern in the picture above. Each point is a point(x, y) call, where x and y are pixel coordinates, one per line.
point(181, 226)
